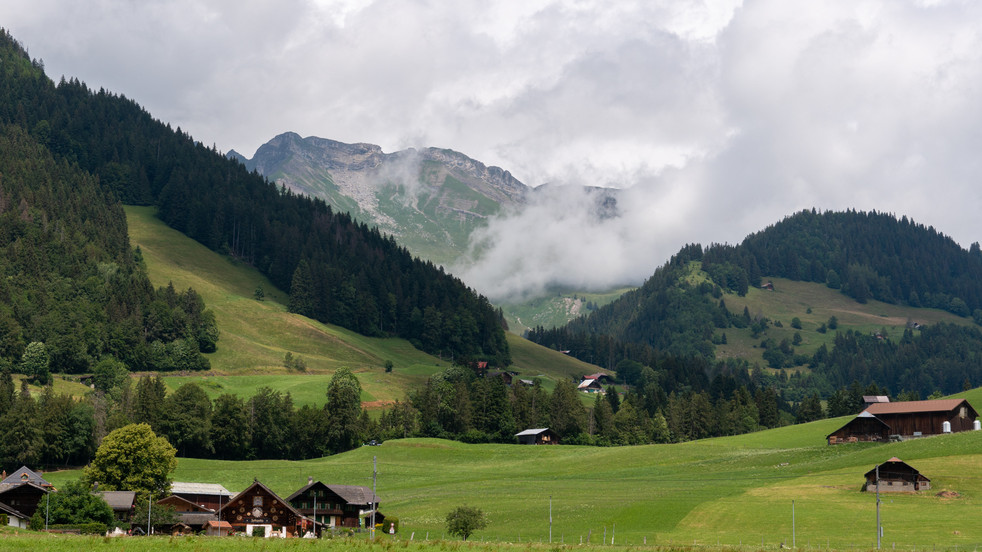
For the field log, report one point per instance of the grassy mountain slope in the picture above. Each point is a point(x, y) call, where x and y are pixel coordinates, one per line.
point(257, 334)
point(791, 299)
point(732, 490)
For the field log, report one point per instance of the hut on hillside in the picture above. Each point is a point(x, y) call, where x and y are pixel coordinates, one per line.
point(896, 476)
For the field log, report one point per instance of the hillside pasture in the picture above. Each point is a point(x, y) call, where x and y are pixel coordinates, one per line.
point(733, 491)
point(792, 299)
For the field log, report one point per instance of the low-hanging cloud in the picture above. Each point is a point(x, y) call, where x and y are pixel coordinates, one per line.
point(714, 118)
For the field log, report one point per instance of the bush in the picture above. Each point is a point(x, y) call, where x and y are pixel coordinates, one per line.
point(390, 520)
point(259, 531)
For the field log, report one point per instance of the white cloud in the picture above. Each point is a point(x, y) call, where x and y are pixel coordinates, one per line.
point(719, 118)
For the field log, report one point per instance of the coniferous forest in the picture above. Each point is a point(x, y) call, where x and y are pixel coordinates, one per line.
point(336, 269)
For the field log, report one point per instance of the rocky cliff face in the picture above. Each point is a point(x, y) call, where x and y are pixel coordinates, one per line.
point(430, 199)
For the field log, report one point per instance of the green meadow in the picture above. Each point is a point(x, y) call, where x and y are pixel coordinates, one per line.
point(256, 335)
point(733, 491)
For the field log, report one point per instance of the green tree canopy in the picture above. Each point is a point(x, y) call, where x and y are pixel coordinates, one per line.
point(133, 458)
point(343, 409)
point(464, 520)
point(75, 504)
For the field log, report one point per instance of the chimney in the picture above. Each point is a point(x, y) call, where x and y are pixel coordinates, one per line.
point(310, 479)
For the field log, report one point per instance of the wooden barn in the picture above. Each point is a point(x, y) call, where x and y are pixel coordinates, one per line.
point(906, 420)
point(259, 509)
point(542, 436)
point(194, 518)
point(896, 476)
point(590, 386)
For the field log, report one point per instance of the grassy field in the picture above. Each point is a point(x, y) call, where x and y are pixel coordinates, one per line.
point(733, 491)
point(257, 334)
point(792, 299)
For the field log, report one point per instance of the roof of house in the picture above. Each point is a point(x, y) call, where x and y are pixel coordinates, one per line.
point(185, 502)
point(588, 383)
point(181, 487)
point(4, 487)
point(876, 399)
point(25, 475)
point(909, 407)
point(355, 494)
point(118, 500)
point(596, 376)
point(532, 431)
point(220, 524)
point(12, 512)
point(197, 518)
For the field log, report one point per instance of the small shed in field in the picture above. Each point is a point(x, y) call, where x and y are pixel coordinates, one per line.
point(541, 436)
point(896, 476)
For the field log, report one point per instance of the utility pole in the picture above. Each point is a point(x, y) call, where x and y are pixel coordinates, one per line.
point(374, 479)
point(878, 527)
point(550, 519)
point(149, 507)
point(47, 501)
point(792, 526)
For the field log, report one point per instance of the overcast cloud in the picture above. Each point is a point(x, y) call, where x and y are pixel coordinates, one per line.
point(719, 118)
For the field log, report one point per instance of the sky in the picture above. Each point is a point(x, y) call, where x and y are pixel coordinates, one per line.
point(715, 119)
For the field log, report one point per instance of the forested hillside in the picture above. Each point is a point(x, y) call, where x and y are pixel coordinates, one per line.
point(680, 314)
point(337, 270)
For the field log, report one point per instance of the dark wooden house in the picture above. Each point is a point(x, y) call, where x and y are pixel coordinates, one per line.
point(907, 420)
point(896, 476)
point(541, 436)
point(194, 518)
point(23, 490)
point(336, 506)
point(505, 376)
point(258, 508)
point(603, 379)
point(590, 386)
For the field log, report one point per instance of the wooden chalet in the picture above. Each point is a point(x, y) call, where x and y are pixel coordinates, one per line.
point(590, 386)
point(257, 507)
point(896, 476)
point(207, 495)
point(23, 489)
point(505, 376)
point(881, 422)
point(336, 506)
point(541, 436)
point(194, 518)
point(603, 379)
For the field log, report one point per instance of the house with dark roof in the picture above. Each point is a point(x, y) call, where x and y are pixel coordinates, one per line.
point(881, 422)
point(895, 476)
point(336, 505)
point(121, 502)
point(259, 511)
point(601, 378)
point(23, 489)
point(540, 436)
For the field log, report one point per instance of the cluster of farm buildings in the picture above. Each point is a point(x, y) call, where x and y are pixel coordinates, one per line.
point(212, 509)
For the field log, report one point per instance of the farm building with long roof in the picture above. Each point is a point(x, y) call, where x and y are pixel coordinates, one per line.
point(905, 420)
